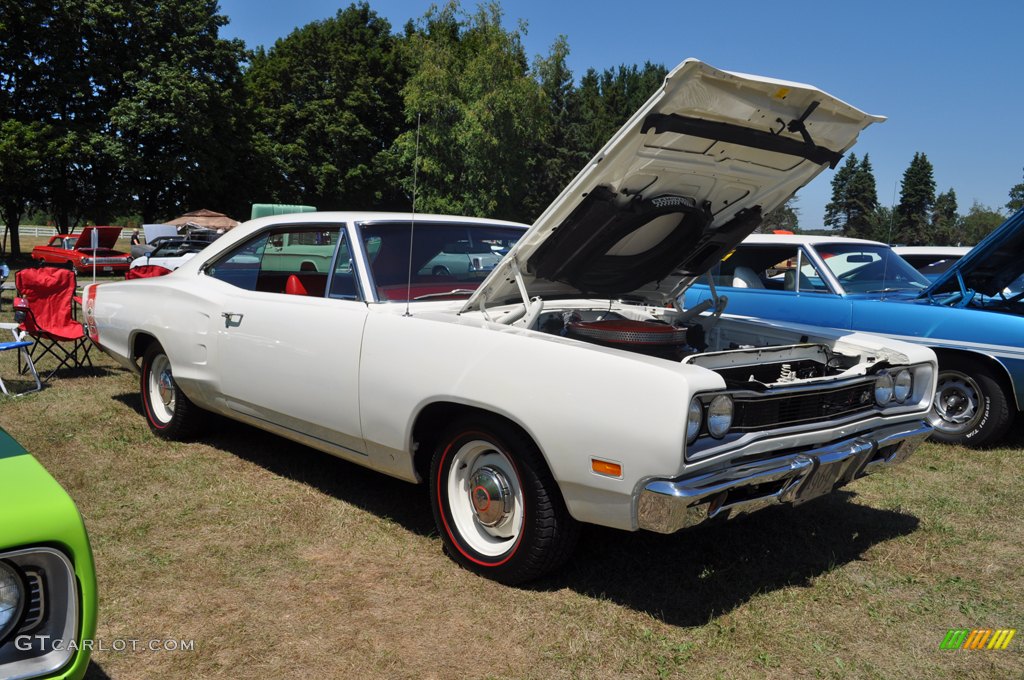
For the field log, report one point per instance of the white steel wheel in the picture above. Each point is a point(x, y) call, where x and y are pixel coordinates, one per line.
point(485, 497)
point(168, 410)
point(496, 506)
point(162, 390)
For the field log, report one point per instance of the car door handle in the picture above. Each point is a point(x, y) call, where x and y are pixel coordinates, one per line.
point(232, 319)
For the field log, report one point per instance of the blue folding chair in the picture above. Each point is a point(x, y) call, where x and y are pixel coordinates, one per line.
point(21, 346)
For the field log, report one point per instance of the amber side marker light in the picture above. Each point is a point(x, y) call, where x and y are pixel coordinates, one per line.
point(603, 467)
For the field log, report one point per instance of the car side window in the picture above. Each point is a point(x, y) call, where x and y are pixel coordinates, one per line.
point(343, 279)
point(769, 267)
point(294, 260)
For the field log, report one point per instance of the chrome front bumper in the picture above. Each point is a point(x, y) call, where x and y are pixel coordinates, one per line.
point(668, 505)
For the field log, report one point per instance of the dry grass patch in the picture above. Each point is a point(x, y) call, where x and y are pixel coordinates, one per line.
point(280, 561)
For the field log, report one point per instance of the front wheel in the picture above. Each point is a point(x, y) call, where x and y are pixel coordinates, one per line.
point(171, 415)
point(970, 407)
point(496, 505)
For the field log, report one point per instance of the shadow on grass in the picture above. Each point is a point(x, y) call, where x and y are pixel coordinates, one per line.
point(402, 502)
point(688, 578)
point(94, 672)
point(685, 579)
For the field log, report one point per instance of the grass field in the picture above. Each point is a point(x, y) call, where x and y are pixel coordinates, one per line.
point(279, 561)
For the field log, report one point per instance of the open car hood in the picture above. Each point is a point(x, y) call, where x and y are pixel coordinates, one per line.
point(677, 187)
point(107, 237)
point(990, 267)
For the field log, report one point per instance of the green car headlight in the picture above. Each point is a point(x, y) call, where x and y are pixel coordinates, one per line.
point(903, 385)
point(720, 416)
point(12, 599)
point(883, 388)
point(693, 420)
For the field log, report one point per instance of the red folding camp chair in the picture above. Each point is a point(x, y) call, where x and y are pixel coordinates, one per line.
point(45, 309)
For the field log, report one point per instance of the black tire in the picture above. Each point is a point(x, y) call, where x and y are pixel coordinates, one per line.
point(170, 414)
point(971, 407)
point(536, 534)
point(440, 270)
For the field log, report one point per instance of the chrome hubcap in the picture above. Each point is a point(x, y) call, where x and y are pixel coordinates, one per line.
point(166, 388)
point(162, 391)
point(485, 498)
point(957, 402)
point(491, 496)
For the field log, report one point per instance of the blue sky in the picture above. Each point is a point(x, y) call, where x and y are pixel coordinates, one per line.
point(950, 76)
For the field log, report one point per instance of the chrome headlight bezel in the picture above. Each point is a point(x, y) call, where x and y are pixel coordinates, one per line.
point(883, 389)
point(720, 415)
point(10, 583)
point(694, 420)
point(903, 385)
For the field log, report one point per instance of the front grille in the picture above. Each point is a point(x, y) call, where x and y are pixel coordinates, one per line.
point(35, 605)
point(109, 260)
point(769, 412)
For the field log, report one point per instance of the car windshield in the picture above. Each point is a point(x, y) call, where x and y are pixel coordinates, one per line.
point(178, 248)
point(865, 268)
point(448, 259)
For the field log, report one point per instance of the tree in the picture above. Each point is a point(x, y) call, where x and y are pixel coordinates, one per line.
point(22, 149)
point(944, 229)
point(605, 101)
point(327, 103)
point(917, 196)
point(861, 202)
point(785, 216)
point(173, 128)
point(479, 111)
point(1016, 201)
point(837, 210)
point(556, 157)
point(978, 223)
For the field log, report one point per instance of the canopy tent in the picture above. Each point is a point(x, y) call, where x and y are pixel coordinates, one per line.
point(205, 218)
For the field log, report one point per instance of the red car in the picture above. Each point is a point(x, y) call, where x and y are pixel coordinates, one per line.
point(76, 250)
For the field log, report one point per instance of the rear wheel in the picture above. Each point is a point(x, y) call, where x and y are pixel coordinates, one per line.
point(497, 508)
point(970, 408)
point(170, 413)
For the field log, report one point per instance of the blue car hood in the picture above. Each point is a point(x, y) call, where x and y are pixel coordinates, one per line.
point(990, 267)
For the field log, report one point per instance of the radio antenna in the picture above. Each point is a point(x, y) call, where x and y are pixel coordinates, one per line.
point(412, 222)
point(888, 240)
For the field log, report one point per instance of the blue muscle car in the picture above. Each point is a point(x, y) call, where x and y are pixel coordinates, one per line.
point(971, 315)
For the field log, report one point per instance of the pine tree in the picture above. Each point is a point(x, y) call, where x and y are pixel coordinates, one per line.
point(836, 213)
point(945, 231)
point(861, 202)
point(917, 196)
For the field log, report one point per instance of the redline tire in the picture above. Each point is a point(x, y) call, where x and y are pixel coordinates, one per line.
point(970, 407)
point(170, 414)
point(496, 506)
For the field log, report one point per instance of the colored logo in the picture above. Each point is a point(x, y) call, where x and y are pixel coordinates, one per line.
point(979, 638)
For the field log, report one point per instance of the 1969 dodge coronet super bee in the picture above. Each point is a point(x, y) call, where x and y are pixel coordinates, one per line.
point(561, 385)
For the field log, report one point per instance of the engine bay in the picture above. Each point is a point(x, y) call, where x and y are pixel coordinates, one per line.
point(743, 359)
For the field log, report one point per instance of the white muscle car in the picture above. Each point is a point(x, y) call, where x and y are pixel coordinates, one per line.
point(565, 385)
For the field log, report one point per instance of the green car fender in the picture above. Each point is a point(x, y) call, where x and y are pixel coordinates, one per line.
point(43, 542)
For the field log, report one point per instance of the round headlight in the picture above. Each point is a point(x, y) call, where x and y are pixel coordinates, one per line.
point(903, 385)
point(693, 419)
point(720, 416)
point(12, 598)
point(883, 389)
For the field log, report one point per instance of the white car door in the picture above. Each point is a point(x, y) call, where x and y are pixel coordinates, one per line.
point(286, 352)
